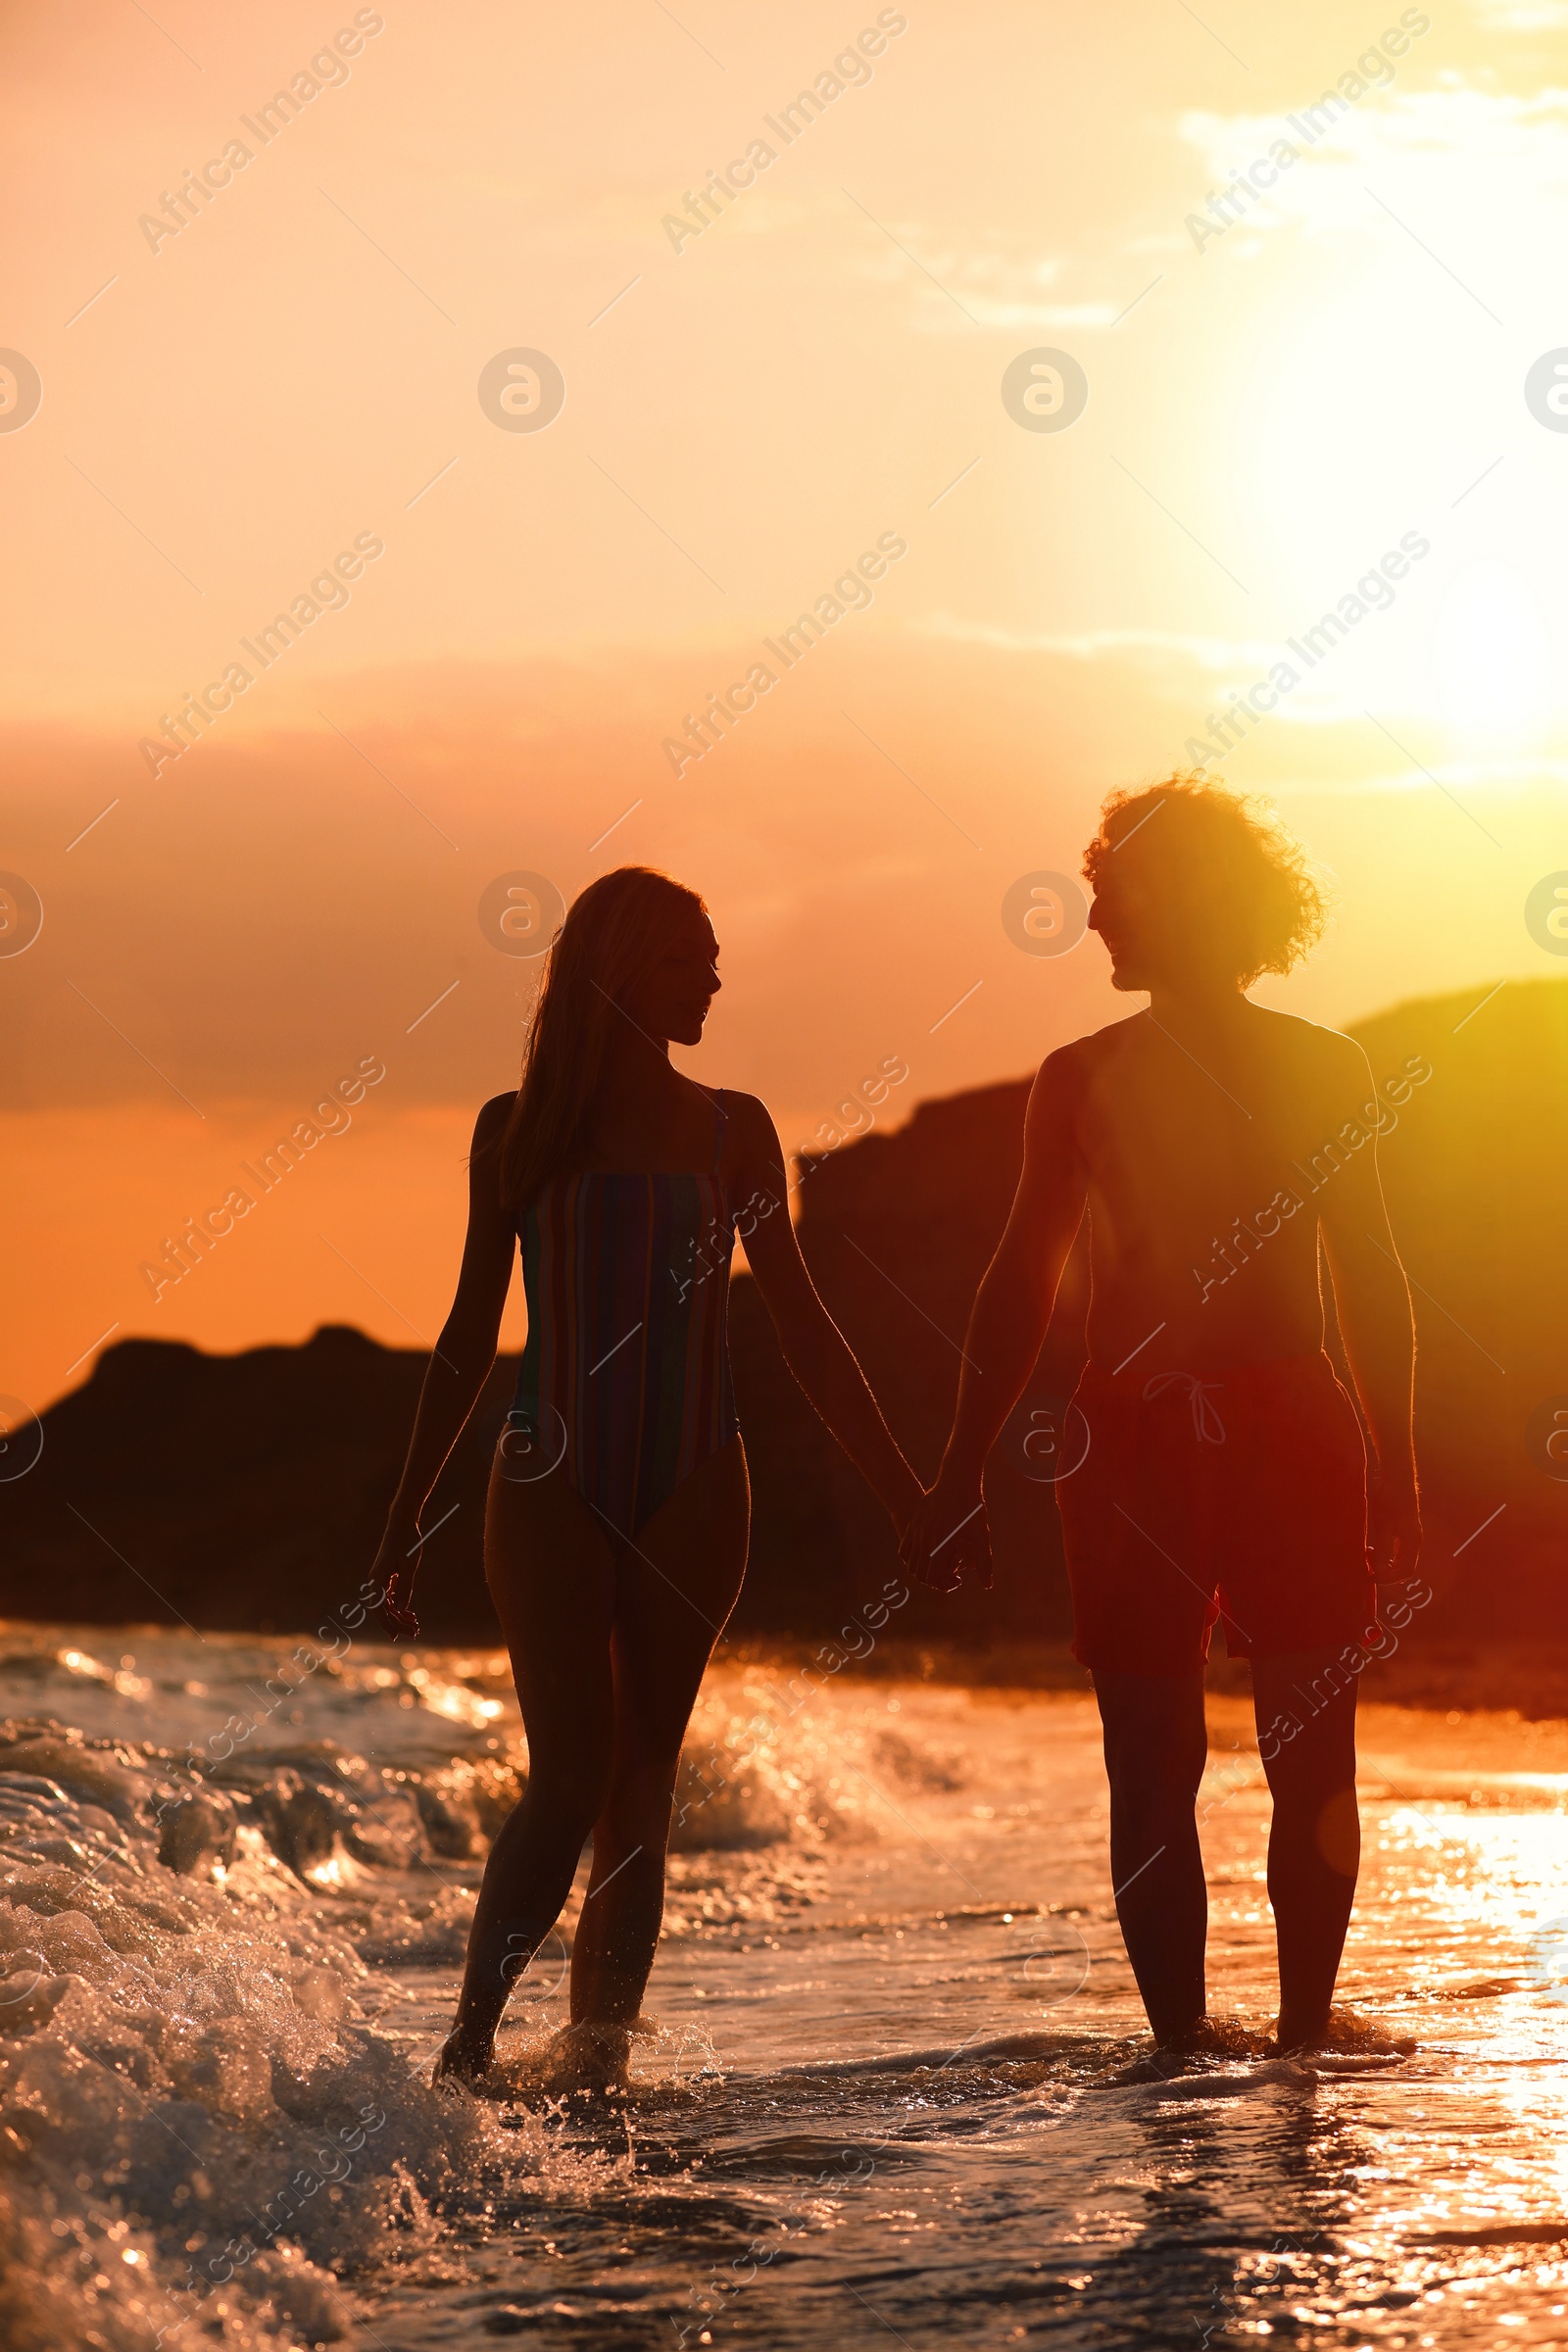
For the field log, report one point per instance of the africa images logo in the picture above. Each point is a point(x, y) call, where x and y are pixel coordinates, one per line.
point(1549, 1964)
point(21, 391)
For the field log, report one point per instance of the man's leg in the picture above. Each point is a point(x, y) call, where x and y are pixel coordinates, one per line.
point(1305, 1709)
point(1155, 1749)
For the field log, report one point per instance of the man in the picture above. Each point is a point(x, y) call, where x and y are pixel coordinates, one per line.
point(1212, 1142)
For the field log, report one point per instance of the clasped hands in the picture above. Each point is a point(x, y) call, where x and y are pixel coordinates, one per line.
point(946, 1536)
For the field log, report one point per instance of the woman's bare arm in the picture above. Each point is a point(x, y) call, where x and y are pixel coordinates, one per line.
point(814, 1349)
point(459, 1366)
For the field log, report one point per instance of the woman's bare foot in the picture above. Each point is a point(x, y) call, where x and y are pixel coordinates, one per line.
point(1155, 2065)
point(1345, 2033)
point(1227, 2038)
point(462, 2059)
point(1207, 2038)
point(588, 2057)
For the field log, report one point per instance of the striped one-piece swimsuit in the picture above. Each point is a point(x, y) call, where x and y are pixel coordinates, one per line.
point(626, 1364)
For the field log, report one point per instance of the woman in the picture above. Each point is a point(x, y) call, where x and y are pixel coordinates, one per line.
point(619, 1511)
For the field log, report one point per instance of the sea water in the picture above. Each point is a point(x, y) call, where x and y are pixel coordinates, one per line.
point(235, 1877)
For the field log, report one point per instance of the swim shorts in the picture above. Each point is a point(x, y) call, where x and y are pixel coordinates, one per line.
point(1241, 1497)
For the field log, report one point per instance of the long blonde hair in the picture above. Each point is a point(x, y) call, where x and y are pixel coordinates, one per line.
point(615, 928)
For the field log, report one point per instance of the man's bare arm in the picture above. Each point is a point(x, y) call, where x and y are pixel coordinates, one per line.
point(1008, 1320)
point(1373, 1301)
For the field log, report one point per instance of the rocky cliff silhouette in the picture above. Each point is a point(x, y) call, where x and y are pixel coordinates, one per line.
point(248, 1491)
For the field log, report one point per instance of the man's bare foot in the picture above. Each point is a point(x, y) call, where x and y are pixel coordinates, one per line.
point(462, 2059)
point(1347, 2033)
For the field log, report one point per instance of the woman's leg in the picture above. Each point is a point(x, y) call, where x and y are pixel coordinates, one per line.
point(552, 1575)
point(673, 1592)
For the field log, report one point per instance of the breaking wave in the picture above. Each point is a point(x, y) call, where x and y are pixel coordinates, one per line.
point(211, 1871)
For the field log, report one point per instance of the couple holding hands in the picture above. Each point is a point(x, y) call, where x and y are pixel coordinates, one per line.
point(1227, 1470)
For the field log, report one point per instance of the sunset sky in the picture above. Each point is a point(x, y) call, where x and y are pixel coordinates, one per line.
point(1280, 395)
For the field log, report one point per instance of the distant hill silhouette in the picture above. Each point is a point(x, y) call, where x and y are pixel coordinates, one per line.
point(248, 1491)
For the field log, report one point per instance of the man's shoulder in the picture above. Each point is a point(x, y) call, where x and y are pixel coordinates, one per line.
point(1093, 1050)
point(1066, 1078)
point(1328, 1050)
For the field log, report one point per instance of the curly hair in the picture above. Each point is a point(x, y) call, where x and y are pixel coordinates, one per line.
point(1230, 861)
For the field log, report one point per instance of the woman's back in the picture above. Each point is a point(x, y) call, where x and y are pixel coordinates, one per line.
point(625, 1372)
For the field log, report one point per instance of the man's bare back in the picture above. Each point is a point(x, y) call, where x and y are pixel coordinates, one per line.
point(1207, 1160)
